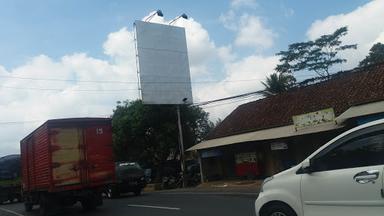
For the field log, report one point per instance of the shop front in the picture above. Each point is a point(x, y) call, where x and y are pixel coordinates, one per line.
point(257, 160)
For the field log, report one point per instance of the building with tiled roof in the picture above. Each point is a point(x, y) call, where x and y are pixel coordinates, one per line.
point(276, 132)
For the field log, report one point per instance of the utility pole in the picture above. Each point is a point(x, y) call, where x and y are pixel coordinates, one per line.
point(181, 144)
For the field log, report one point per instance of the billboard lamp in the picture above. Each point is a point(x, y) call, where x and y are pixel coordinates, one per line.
point(158, 13)
point(184, 16)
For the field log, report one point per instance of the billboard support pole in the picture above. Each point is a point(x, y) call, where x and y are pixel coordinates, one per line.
point(137, 62)
point(181, 145)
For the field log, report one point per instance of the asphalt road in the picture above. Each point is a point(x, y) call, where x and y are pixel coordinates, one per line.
point(160, 203)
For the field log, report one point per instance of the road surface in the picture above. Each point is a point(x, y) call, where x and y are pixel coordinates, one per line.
point(169, 203)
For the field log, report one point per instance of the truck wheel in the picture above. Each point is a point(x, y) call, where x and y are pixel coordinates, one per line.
point(99, 199)
point(49, 204)
point(28, 206)
point(45, 205)
point(137, 192)
point(20, 198)
point(89, 203)
point(113, 192)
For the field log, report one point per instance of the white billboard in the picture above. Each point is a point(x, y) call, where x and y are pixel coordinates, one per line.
point(163, 64)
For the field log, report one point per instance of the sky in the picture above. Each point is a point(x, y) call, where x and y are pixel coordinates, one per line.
point(72, 58)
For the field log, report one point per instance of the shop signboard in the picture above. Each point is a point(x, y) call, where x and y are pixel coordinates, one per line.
point(248, 157)
point(278, 146)
point(211, 153)
point(247, 164)
point(314, 118)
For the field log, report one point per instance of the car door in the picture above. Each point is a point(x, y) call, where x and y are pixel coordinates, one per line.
point(346, 178)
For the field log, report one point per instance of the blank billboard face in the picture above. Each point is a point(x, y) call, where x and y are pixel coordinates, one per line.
point(163, 64)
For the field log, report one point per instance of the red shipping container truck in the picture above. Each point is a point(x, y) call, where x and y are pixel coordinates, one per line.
point(65, 161)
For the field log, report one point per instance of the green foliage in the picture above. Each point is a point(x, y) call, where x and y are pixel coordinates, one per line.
point(318, 55)
point(148, 133)
point(9, 182)
point(277, 83)
point(376, 55)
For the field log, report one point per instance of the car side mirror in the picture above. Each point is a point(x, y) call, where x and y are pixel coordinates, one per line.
point(306, 167)
point(306, 164)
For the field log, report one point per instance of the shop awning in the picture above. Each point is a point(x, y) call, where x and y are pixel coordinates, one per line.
point(273, 133)
point(361, 110)
point(289, 131)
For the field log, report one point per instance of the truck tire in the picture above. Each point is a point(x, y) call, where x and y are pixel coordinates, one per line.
point(45, 205)
point(113, 192)
point(49, 204)
point(89, 203)
point(28, 206)
point(99, 199)
point(137, 192)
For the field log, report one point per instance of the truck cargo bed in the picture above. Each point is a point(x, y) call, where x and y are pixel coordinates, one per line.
point(68, 154)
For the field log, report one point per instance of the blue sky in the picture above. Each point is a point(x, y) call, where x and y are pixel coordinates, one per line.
point(56, 28)
point(56, 56)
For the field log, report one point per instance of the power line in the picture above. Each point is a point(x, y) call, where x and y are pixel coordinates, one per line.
point(130, 82)
point(19, 122)
point(229, 98)
point(64, 80)
point(34, 121)
point(76, 90)
point(124, 82)
point(231, 102)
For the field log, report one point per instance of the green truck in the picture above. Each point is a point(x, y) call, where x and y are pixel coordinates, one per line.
point(10, 181)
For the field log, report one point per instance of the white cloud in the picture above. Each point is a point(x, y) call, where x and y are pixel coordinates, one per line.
point(242, 76)
point(243, 3)
point(207, 61)
point(65, 99)
point(288, 12)
point(252, 32)
point(229, 20)
point(365, 28)
point(201, 49)
point(119, 44)
point(226, 53)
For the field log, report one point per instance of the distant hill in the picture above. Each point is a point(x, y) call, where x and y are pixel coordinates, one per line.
point(10, 166)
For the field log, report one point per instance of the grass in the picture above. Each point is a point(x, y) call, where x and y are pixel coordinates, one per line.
point(10, 182)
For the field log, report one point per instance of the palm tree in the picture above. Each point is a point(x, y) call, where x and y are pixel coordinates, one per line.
point(277, 83)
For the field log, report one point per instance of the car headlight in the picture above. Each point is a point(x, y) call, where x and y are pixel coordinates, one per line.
point(264, 182)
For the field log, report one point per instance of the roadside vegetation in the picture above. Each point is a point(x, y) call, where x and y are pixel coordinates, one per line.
point(148, 134)
point(316, 56)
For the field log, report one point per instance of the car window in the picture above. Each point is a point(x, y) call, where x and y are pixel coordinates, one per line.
point(364, 150)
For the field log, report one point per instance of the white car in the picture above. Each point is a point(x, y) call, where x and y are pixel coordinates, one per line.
point(343, 177)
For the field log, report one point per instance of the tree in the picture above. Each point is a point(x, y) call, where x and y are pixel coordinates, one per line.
point(376, 55)
point(277, 83)
point(149, 133)
point(318, 55)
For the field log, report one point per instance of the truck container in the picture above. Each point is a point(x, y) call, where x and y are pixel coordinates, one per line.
point(65, 161)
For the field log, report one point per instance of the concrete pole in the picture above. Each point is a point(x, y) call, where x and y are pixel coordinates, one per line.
point(201, 167)
point(181, 143)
